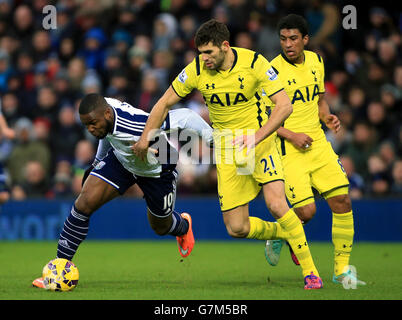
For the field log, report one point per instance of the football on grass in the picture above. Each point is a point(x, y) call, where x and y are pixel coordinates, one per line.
point(60, 275)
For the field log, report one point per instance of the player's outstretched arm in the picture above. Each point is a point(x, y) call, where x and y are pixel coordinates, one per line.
point(155, 120)
point(185, 118)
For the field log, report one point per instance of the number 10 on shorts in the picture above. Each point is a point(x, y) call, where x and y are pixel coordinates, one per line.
point(168, 201)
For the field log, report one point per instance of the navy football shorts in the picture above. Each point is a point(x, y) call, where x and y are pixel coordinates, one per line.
point(159, 193)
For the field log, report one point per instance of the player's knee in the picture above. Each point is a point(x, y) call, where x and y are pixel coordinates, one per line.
point(306, 213)
point(340, 204)
point(275, 200)
point(238, 230)
point(277, 207)
point(85, 205)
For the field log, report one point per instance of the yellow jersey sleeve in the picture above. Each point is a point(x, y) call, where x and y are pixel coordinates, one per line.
point(186, 80)
point(267, 76)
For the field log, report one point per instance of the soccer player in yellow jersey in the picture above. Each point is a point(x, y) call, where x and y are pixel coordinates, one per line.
point(247, 159)
point(307, 157)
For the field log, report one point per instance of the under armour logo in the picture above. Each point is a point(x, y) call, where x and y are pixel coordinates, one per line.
point(291, 81)
point(211, 86)
point(241, 82)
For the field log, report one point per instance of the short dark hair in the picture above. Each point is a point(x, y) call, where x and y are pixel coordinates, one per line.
point(212, 31)
point(293, 21)
point(91, 102)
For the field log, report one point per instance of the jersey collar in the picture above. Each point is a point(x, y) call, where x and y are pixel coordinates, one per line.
point(235, 59)
point(290, 62)
point(234, 62)
point(114, 119)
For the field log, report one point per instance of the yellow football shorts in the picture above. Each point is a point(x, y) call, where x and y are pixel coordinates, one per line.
point(240, 177)
point(318, 167)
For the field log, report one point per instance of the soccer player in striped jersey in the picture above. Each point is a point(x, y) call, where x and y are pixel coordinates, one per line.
point(308, 158)
point(230, 80)
point(119, 125)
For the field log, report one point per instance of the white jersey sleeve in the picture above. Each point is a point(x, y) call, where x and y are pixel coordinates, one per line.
point(190, 120)
point(103, 148)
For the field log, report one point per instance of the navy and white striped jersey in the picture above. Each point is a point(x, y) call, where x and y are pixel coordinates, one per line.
point(129, 123)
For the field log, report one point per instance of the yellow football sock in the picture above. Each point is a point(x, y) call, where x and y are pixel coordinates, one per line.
point(265, 230)
point(291, 224)
point(342, 238)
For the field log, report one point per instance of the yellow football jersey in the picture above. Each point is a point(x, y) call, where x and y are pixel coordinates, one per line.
point(233, 97)
point(303, 83)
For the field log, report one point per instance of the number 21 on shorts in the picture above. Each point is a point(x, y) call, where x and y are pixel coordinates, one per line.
point(271, 170)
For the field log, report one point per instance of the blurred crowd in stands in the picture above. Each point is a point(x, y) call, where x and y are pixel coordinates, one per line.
point(133, 49)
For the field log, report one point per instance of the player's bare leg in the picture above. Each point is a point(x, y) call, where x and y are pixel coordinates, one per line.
point(237, 221)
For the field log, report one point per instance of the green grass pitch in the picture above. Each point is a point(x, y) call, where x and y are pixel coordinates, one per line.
point(231, 270)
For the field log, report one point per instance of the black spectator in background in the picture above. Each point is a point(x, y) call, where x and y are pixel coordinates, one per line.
point(46, 104)
point(361, 147)
point(119, 86)
point(34, 183)
point(61, 184)
point(377, 118)
point(137, 64)
point(41, 45)
point(10, 108)
point(149, 93)
point(27, 148)
point(62, 87)
point(204, 10)
point(65, 26)
point(25, 69)
point(66, 134)
point(379, 179)
point(66, 51)
point(387, 57)
point(76, 70)
point(357, 100)
point(23, 22)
